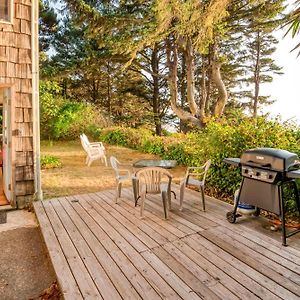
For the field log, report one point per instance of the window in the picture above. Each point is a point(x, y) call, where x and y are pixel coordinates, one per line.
point(5, 10)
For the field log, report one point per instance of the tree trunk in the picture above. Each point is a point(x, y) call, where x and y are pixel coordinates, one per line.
point(182, 90)
point(172, 62)
point(65, 88)
point(94, 91)
point(156, 99)
point(108, 103)
point(203, 89)
point(209, 80)
point(256, 76)
point(217, 78)
point(190, 79)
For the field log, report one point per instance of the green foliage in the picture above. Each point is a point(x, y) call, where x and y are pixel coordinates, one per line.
point(293, 22)
point(50, 162)
point(65, 119)
point(219, 140)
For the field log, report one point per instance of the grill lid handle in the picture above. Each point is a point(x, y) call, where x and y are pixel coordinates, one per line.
point(232, 161)
point(295, 165)
point(254, 164)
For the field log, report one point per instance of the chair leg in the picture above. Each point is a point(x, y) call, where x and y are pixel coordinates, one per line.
point(164, 200)
point(169, 200)
point(105, 160)
point(135, 187)
point(118, 191)
point(89, 162)
point(182, 189)
point(143, 196)
point(203, 197)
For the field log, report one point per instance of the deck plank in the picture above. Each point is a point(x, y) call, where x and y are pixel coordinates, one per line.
point(257, 248)
point(170, 276)
point(188, 277)
point(203, 276)
point(156, 225)
point(102, 281)
point(171, 227)
point(292, 291)
point(96, 239)
point(66, 280)
point(216, 257)
point(131, 226)
point(83, 278)
point(138, 272)
point(187, 254)
point(263, 259)
point(252, 273)
point(144, 227)
point(101, 249)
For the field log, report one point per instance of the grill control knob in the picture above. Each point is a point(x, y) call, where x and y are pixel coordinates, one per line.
point(246, 171)
point(257, 174)
point(270, 176)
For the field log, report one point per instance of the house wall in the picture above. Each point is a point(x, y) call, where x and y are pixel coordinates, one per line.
point(16, 69)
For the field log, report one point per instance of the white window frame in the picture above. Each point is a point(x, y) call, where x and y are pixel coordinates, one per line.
point(10, 13)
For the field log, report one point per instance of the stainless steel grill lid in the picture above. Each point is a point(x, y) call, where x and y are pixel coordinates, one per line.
point(270, 158)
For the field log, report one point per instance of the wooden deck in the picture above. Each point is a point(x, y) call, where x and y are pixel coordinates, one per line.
point(103, 250)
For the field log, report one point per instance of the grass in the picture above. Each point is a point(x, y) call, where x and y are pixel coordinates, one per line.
point(74, 177)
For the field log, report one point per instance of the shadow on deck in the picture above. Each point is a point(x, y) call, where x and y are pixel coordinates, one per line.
point(103, 250)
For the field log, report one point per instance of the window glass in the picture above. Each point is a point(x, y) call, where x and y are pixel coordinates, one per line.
point(5, 10)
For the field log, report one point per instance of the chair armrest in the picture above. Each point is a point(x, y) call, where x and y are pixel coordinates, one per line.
point(125, 171)
point(195, 168)
point(97, 145)
point(125, 166)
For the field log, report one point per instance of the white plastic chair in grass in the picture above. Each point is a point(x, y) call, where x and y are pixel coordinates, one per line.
point(94, 150)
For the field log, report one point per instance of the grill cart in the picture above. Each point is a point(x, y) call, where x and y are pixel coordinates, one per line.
point(264, 173)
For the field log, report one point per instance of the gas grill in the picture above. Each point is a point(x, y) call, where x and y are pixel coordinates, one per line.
point(264, 173)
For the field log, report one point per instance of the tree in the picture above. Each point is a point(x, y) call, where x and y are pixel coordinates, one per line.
point(48, 25)
point(188, 25)
point(261, 45)
point(293, 21)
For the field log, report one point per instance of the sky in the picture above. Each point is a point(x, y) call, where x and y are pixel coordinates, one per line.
point(285, 88)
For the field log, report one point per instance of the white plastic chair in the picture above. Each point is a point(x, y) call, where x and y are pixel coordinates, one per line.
point(150, 181)
point(94, 151)
point(195, 176)
point(123, 173)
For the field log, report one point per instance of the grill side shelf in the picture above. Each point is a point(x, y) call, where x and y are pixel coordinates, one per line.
point(293, 174)
point(233, 161)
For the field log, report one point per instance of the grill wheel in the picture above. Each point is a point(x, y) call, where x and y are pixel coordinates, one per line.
point(231, 217)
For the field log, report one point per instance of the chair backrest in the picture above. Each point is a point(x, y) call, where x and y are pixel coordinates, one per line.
point(84, 144)
point(152, 178)
point(85, 138)
point(201, 175)
point(115, 164)
point(87, 145)
point(206, 167)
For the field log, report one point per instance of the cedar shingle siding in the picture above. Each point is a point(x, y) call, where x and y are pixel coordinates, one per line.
point(16, 69)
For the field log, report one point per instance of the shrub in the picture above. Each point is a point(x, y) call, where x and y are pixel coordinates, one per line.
point(64, 119)
point(50, 162)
